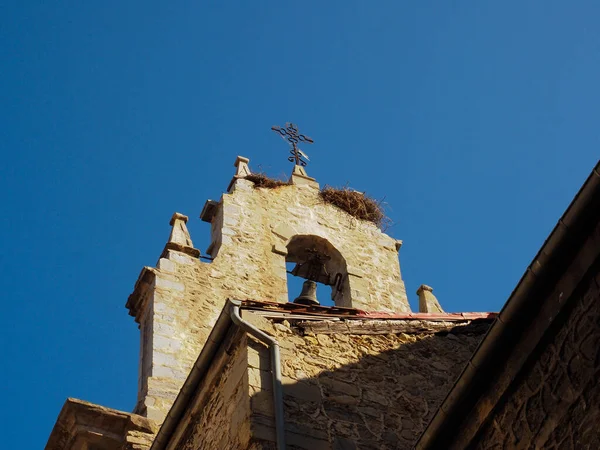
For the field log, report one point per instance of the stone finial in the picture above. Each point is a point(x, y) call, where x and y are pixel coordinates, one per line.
point(299, 176)
point(242, 170)
point(428, 303)
point(180, 239)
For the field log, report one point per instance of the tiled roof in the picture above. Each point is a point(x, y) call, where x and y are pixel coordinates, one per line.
point(318, 311)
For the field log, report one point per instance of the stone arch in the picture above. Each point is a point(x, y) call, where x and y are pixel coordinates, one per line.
point(304, 248)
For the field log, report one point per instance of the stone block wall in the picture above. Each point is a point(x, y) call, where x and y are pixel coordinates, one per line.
point(176, 310)
point(341, 390)
point(253, 227)
point(357, 391)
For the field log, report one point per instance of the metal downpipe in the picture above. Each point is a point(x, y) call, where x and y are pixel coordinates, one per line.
point(275, 369)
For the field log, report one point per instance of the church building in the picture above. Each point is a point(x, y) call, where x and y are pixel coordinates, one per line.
point(231, 358)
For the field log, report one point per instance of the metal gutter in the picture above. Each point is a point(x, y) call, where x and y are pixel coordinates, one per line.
point(275, 370)
point(549, 264)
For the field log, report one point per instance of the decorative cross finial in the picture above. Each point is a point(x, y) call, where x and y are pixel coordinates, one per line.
point(290, 133)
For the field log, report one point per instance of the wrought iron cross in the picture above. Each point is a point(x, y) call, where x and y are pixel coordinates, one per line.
point(290, 133)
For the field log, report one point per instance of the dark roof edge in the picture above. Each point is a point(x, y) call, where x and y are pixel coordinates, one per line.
point(555, 255)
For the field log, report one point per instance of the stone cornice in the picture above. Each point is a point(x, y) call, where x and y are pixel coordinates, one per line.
point(81, 421)
point(181, 248)
point(137, 299)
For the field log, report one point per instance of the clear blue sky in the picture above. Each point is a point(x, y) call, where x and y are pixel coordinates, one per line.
point(476, 121)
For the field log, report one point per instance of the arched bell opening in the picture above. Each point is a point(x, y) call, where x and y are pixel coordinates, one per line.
point(322, 267)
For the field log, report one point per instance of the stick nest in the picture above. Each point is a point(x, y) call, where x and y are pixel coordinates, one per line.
point(261, 180)
point(357, 204)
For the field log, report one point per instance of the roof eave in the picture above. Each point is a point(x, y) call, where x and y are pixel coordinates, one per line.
point(555, 255)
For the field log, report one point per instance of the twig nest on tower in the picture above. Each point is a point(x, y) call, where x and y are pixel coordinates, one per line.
point(357, 204)
point(261, 180)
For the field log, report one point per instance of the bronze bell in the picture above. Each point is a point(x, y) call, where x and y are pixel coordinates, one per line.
point(308, 296)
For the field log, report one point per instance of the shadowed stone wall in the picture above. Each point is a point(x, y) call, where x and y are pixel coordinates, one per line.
point(220, 415)
point(555, 403)
point(353, 391)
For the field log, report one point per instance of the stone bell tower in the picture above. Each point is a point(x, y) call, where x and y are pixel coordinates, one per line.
point(254, 232)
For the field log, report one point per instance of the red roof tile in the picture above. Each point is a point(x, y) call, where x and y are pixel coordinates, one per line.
point(358, 314)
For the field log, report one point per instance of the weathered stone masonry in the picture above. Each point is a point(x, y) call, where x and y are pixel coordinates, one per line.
point(220, 416)
point(373, 391)
point(556, 402)
point(362, 388)
point(254, 232)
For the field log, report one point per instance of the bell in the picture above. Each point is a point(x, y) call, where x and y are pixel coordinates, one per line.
point(308, 296)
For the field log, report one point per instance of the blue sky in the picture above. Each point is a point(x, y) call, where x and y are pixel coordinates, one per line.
point(475, 121)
